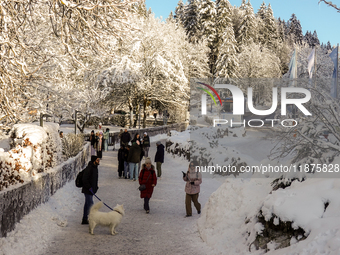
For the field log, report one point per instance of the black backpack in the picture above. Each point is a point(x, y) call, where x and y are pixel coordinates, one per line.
point(79, 179)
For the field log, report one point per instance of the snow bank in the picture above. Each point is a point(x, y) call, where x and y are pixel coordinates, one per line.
point(34, 150)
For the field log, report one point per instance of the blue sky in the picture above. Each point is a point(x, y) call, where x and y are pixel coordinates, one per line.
point(313, 16)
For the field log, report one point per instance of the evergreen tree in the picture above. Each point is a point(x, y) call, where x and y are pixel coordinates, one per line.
point(315, 39)
point(223, 18)
point(208, 23)
point(271, 30)
point(307, 37)
point(261, 26)
point(247, 30)
point(170, 18)
point(243, 5)
point(207, 16)
point(179, 12)
point(295, 29)
point(223, 15)
point(191, 22)
point(261, 11)
point(227, 61)
point(281, 29)
point(328, 46)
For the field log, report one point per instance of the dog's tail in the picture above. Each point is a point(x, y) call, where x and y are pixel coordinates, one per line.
point(96, 207)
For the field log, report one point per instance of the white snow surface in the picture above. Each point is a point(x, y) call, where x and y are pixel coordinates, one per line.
point(54, 227)
point(229, 213)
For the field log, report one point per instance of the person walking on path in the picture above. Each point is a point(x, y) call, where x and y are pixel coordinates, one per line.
point(155, 116)
point(100, 144)
point(126, 162)
point(146, 145)
point(90, 185)
point(106, 139)
point(193, 181)
point(165, 117)
point(133, 159)
point(148, 178)
point(93, 142)
point(136, 138)
point(159, 158)
point(120, 155)
point(125, 138)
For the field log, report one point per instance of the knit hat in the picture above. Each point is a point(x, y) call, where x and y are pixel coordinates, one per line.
point(158, 143)
point(93, 158)
point(145, 133)
point(147, 161)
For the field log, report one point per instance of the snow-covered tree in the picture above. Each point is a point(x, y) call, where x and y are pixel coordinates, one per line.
point(191, 21)
point(256, 61)
point(43, 39)
point(179, 11)
point(271, 33)
point(315, 39)
point(227, 61)
point(295, 29)
point(155, 68)
point(316, 139)
point(246, 34)
point(207, 11)
point(261, 11)
point(223, 19)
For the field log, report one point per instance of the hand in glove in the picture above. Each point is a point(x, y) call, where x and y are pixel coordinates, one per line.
point(192, 183)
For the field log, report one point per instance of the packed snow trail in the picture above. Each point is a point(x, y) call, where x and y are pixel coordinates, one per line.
point(163, 231)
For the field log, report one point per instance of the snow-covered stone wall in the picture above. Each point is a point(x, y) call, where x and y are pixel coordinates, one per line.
point(18, 200)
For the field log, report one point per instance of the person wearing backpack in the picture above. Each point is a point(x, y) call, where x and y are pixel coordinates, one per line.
point(193, 180)
point(90, 185)
point(148, 178)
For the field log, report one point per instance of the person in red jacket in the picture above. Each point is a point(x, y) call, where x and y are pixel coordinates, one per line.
point(148, 177)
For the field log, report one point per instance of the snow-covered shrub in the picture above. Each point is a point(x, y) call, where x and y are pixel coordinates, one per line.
point(72, 144)
point(275, 231)
point(316, 138)
point(34, 150)
point(207, 146)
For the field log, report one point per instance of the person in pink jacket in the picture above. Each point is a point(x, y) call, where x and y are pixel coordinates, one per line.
point(193, 180)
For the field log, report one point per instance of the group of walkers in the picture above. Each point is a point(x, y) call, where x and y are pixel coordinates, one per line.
point(131, 153)
point(99, 142)
point(130, 156)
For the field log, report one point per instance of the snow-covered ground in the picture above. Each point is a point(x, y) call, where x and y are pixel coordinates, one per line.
point(54, 227)
point(228, 223)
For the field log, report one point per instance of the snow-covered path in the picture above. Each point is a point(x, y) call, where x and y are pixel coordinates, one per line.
point(163, 231)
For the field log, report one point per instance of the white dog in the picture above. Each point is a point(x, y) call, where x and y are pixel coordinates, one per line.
point(111, 219)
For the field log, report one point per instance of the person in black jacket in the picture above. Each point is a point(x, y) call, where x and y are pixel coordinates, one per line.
point(159, 158)
point(93, 142)
point(121, 161)
point(90, 185)
point(146, 145)
point(126, 163)
point(125, 138)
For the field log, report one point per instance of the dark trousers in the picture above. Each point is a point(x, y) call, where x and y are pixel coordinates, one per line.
point(146, 203)
point(193, 198)
point(87, 206)
point(120, 168)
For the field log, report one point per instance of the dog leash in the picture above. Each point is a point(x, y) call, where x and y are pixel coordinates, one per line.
point(101, 200)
